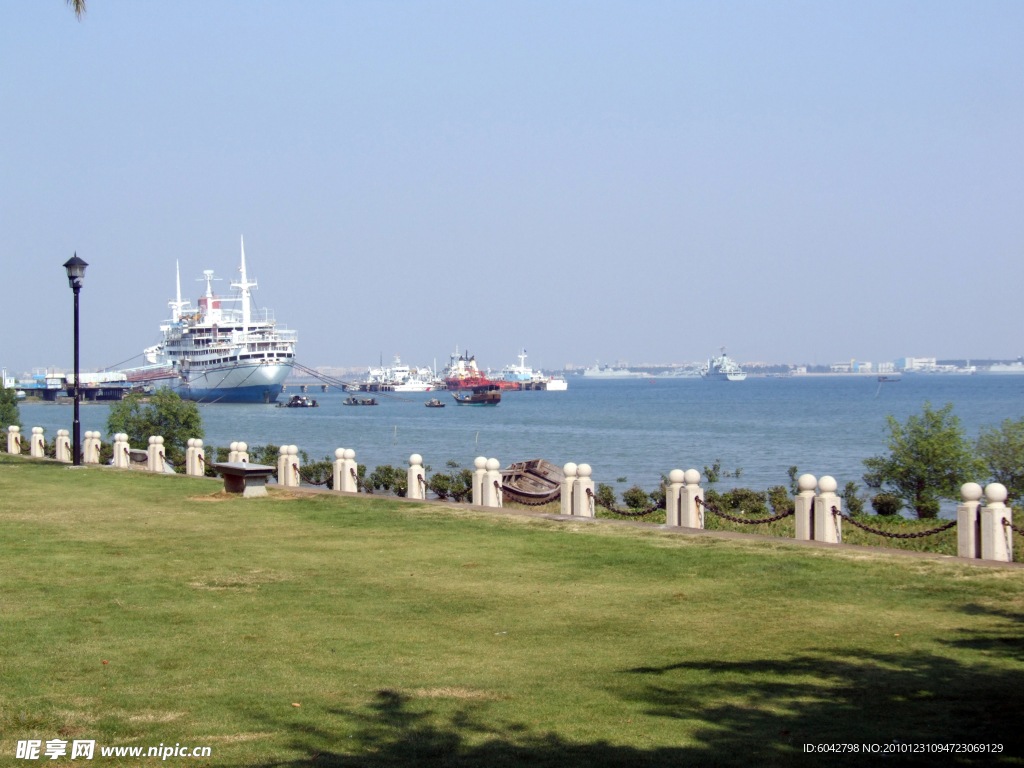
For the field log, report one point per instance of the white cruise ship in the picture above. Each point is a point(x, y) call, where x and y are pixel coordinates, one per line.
point(722, 368)
point(213, 354)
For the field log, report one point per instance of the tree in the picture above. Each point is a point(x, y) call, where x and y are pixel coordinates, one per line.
point(166, 414)
point(1002, 451)
point(78, 6)
point(929, 459)
point(9, 414)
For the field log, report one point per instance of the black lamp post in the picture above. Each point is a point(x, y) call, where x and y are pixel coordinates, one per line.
point(76, 273)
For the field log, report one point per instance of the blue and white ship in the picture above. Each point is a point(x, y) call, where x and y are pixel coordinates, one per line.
point(215, 354)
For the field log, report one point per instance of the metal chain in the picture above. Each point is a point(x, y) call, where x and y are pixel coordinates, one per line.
point(1016, 528)
point(742, 520)
point(512, 497)
point(889, 535)
point(642, 513)
point(312, 482)
point(497, 492)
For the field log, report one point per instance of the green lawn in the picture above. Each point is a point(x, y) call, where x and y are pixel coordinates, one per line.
point(417, 635)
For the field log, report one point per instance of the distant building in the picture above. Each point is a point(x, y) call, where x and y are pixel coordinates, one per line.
point(886, 367)
point(840, 367)
point(915, 363)
point(800, 369)
point(858, 367)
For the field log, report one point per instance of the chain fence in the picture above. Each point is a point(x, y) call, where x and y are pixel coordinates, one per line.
point(1013, 527)
point(742, 520)
point(515, 498)
point(642, 513)
point(888, 534)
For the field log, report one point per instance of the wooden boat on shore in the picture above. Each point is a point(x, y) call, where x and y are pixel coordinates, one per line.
point(532, 482)
point(488, 394)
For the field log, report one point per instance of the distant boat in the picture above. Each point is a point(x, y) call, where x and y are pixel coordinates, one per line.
point(722, 368)
point(607, 372)
point(434, 403)
point(299, 401)
point(888, 379)
point(556, 384)
point(359, 401)
point(488, 394)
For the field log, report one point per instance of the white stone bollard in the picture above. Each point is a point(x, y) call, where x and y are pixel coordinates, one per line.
point(288, 467)
point(243, 453)
point(62, 446)
point(122, 455)
point(350, 479)
point(491, 495)
point(14, 440)
point(199, 459)
point(190, 453)
point(91, 448)
point(996, 535)
point(827, 526)
point(416, 478)
point(968, 522)
point(338, 476)
point(37, 444)
point(673, 493)
point(233, 453)
point(692, 513)
point(479, 473)
point(583, 502)
point(568, 488)
point(282, 466)
point(155, 454)
point(803, 507)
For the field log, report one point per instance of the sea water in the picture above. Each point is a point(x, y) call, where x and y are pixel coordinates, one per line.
point(637, 429)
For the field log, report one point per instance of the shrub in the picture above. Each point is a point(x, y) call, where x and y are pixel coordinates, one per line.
point(441, 485)
point(746, 500)
point(854, 504)
point(605, 495)
point(636, 497)
point(887, 504)
point(779, 500)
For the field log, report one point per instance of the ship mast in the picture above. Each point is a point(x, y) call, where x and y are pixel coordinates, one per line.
point(177, 305)
point(243, 285)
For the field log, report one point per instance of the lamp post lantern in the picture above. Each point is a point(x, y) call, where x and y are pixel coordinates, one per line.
point(76, 273)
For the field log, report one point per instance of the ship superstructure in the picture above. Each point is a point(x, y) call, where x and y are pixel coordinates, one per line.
point(212, 353)
point(401, 378)
point(722, 368)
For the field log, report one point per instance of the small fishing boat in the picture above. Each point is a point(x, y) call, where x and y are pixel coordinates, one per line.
point(488, 394)
point(299, 401)
point(434, 403)
point(359, 401)
point(532, 482)
point(888, 379)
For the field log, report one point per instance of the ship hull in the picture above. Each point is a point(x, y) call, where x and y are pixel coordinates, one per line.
point(236, 384)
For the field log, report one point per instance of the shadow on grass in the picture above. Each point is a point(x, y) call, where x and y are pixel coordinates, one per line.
point(729, 713)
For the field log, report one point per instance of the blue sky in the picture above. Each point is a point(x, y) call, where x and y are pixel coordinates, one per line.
point(638, 181)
